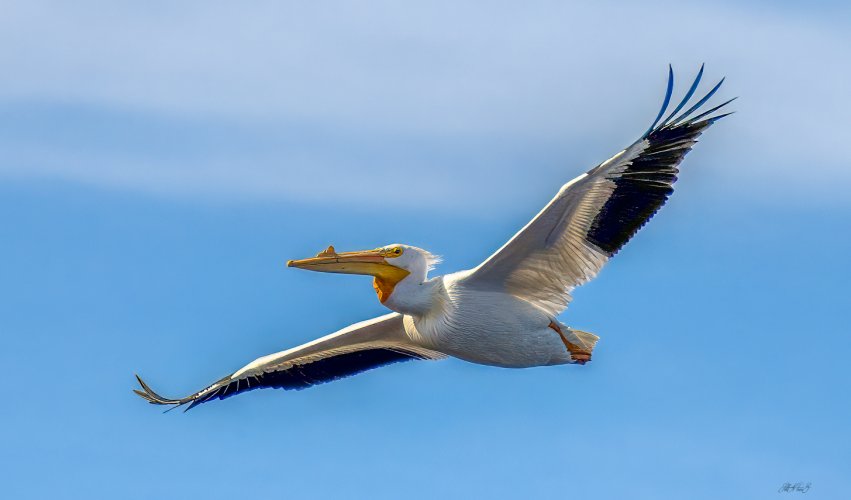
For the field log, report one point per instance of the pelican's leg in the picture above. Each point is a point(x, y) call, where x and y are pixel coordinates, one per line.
point(577, 353)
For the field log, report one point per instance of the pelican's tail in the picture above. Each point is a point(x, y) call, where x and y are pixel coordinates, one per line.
point(585, 340)
point(579, 344)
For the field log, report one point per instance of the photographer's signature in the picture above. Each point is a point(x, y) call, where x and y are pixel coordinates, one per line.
point(794, 487)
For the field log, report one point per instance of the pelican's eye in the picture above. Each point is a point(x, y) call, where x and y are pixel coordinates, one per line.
point(395, 252)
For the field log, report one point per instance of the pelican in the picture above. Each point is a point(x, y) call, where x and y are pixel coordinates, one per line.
point(505, 311)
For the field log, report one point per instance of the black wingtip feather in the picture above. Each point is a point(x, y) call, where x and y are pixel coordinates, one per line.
point(686, 97)
point(150, 396)
point(685, 118)
point(714, 119)
point(699, 103)
point(647, 181)
point(669, 90)
point(709, 112)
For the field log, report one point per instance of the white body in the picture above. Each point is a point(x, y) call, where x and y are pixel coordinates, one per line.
point(492, 328)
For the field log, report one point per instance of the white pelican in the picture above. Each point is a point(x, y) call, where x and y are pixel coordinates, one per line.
point(504, 312)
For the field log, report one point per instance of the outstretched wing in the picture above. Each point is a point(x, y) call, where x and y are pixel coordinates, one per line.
point(357, 348)
point(595, 214)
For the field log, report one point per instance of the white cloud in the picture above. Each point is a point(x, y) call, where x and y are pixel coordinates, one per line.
point(542, 78)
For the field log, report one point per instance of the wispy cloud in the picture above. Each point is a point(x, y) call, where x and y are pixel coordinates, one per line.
point(339, 100)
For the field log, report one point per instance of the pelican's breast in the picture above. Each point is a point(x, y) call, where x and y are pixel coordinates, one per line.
point(484, 327)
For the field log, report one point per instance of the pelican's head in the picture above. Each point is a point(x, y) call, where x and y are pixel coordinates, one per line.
point(389, 265)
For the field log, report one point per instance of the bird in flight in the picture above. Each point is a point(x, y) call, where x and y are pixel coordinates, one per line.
point(503, 312)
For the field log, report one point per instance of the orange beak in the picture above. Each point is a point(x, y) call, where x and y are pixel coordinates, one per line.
point(369, 262)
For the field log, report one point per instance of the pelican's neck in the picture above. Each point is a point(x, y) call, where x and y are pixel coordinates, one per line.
point(412, 297)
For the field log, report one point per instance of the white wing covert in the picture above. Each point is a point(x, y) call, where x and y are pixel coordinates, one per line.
point(595, 214)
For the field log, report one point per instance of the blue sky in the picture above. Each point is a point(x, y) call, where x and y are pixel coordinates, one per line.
point(162, 163)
